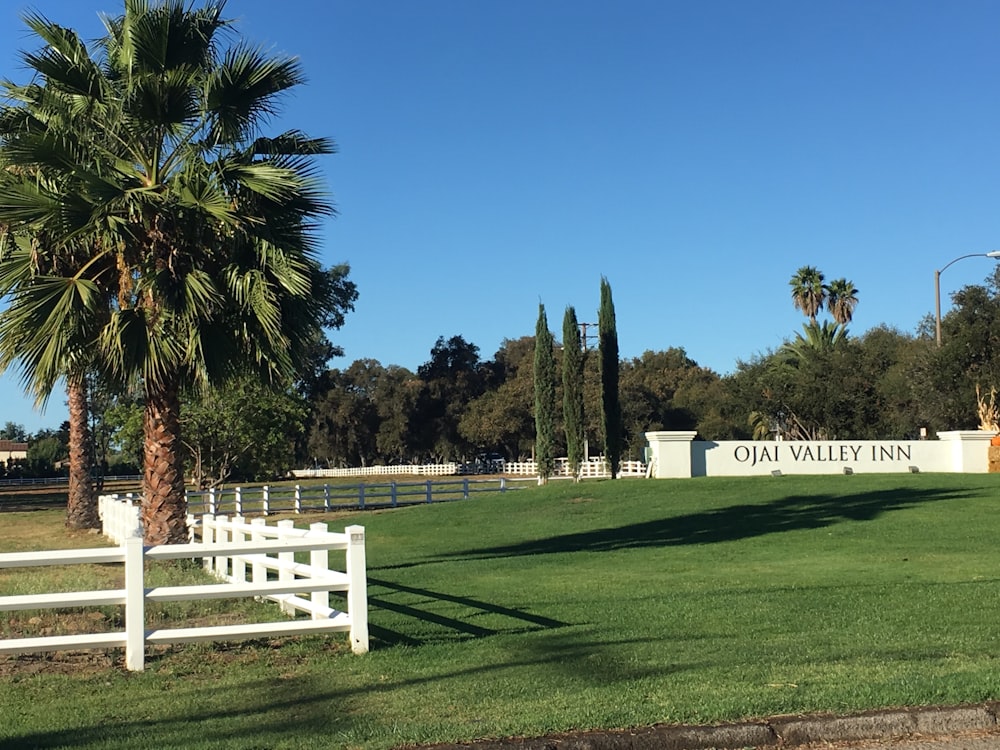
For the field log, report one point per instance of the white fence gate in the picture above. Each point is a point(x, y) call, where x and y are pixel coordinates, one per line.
point(232, 547)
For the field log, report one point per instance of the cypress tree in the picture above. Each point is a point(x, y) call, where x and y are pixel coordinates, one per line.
point(572, 379)
point(545, 397)
point(611, 408)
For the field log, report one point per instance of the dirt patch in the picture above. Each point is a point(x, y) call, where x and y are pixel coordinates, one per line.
point(62, 662)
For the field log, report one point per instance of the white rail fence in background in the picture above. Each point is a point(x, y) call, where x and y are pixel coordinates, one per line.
point(364, 496)
point(592, 469)
point(232, 548)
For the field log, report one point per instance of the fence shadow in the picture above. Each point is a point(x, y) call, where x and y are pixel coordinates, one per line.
point(734, 522)
point(519, 621)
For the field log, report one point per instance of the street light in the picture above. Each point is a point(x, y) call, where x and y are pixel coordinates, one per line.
point(937, 286)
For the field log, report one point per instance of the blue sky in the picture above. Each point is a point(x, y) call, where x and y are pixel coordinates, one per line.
point(495, 154)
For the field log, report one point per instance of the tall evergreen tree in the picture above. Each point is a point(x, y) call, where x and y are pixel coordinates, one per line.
point(545, 397)
point(572, 378)
point(611, 408)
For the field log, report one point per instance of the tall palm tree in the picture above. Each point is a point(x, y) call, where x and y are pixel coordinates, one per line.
point(208, 223)
point(808, 291)
point(842, 298)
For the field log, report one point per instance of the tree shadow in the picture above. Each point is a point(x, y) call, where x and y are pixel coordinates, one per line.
point(732, 523)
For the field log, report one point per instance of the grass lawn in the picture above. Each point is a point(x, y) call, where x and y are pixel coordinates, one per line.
point(599, 605)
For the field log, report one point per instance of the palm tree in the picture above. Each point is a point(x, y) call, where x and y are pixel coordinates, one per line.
point(208, 223)
point(842, 298)
point(818, 337)
point(45, 330)
point(808, 291)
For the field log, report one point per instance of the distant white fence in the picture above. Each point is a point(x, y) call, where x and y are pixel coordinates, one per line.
point(593, 469)
point(424, 470)
point(363, 496)
point(231, 548)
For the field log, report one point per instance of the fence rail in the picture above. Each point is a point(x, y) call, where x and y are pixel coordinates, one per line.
point(594, 468)
point(229, 547)
point(364, 496)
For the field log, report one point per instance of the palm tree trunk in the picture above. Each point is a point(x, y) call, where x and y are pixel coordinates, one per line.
point(81, 505)
point(164, 507)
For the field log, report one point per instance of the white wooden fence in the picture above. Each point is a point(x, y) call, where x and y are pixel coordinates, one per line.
point(266, 500)
point(593, 469)
point(424, 470)
point(230, 548)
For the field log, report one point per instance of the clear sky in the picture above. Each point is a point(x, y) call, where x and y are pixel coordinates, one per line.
point(495, 154)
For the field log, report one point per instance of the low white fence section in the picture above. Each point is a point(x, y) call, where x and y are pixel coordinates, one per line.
point(221, 534)
point(593, 469)
point(265, 500)
point(423, 470)
point(120, 516)
point(231, 556)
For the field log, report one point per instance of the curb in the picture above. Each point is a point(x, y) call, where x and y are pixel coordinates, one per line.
point(774, 732)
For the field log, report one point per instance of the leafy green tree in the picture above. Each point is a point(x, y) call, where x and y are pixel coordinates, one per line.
point(611, 410)
point(396, 396)
point(502, 419)
point(14, 431)
point(946, 377)
point(572, 380)
point(345, 421)
point(44, 452)
point(545, 397)
point(451, 379)
point(226, 440)
point(163, 172)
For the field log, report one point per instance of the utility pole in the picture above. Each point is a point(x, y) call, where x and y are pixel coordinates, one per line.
point(583, 333)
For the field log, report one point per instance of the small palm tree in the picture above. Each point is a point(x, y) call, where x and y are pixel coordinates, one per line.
point(808, 291)
point(816, 337)
point(842, 298)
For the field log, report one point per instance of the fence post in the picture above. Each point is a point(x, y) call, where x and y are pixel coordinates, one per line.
point(465, 488)
point(429, 491)
point(135, 613)
point(221, 537)
point(326, 497)
point(319, 560)
point(361, 496)
point(298, 499)
point(239, 562)
point(503, 484)
point(357, 594)
point(265, 492)
point(207, 537)
point(258, 573)
point(238, 496)
point(211, 501)
point(392, 492)
point(286, 557)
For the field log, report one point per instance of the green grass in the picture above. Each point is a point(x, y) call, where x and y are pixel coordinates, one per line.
point(599, 605)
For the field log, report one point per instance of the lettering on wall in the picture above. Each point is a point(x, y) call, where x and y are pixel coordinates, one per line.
point(807, 453)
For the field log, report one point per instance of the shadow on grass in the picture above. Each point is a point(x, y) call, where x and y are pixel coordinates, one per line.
point(734, 522)
point(313, 709)
point(517, 620)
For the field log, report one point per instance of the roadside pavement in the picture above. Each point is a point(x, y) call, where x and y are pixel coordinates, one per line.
point(931, 728)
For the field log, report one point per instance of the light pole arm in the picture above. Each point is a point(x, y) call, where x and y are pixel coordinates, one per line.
point(937, 287)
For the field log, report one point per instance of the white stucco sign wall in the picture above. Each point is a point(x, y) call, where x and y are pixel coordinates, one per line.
point(677, 454)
